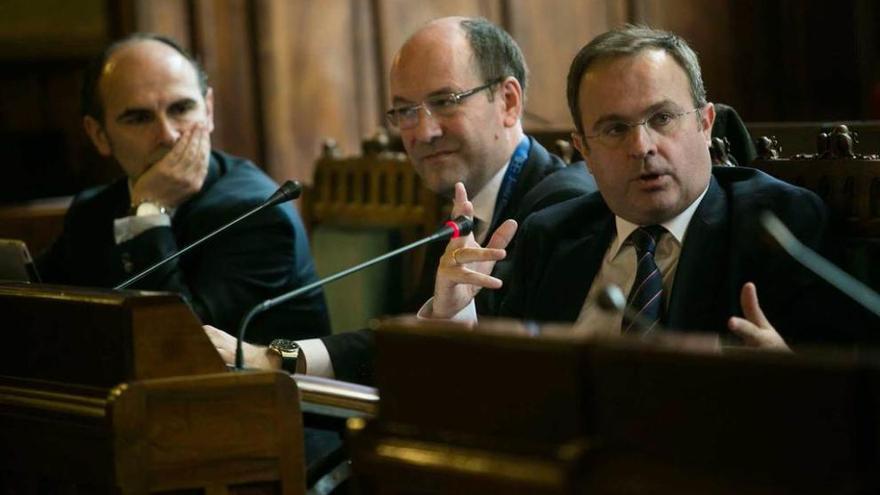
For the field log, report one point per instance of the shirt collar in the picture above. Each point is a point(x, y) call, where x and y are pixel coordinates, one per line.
point(677, 226)
point(484, 201)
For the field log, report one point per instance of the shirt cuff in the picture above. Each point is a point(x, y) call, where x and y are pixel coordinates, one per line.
point(127, 228)
point(317, 358)
point(467, 314)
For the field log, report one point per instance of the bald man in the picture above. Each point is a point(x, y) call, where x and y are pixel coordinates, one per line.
point(147, 105)
point(458, 90)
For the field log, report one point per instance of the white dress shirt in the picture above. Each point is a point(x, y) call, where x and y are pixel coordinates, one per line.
point(618, 268)
point(127, 228)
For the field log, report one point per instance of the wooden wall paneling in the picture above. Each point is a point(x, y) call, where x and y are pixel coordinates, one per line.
point(273, 61)
point(707, 28)
point(308, 82)
point(825, 56)
point(550, 33)
point(398, 19)
point(224, 40)
point(169, 17)
point(371, 81)
point(867, 20)
point(56, 29)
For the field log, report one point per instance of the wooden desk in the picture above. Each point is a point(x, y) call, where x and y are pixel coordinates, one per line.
point(122, 392)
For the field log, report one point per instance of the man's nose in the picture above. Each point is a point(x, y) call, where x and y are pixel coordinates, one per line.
point(427, 127)
point(168, 131)
point(642, 141)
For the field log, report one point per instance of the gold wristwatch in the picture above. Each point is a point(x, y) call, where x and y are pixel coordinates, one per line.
point(288, 350)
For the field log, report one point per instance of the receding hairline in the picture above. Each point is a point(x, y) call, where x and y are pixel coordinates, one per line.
point(444, 25)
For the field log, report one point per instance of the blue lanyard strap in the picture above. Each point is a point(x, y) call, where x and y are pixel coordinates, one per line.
point(508, 184)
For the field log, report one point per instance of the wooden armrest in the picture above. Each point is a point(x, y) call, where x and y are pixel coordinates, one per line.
point(336, 398)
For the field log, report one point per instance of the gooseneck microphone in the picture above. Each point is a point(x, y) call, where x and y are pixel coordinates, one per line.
point(611, 299)
point(823, 268)
point(453, 228)
point(288, 191)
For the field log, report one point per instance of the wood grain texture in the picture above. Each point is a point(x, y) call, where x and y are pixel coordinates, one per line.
point(398, 19)
point(550, 33)
point(225, 43)
point(307, 62)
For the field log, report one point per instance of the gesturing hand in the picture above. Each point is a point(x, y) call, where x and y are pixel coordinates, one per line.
point(465, 267)
point(755, 329)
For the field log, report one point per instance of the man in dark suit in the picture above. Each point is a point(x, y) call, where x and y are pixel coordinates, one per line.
point(681, 239)
point(458, 89)
point(146, 104)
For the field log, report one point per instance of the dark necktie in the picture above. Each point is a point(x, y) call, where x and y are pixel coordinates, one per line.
point(646, 295)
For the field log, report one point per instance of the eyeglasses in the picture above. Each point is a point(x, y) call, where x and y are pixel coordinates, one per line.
point(662, 123)
point(435, 106)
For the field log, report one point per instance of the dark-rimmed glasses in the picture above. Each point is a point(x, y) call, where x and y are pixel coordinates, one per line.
point(442, 105)
point(662, 123)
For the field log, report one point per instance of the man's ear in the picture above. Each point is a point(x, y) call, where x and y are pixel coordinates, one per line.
point(577, 140)
point(209, 109)
point(98, 136)
point(512, 96)
point(707, 119)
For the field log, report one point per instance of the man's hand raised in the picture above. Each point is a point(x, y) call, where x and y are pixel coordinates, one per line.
point(755, 329)
point(179, 174)
point(465, 267)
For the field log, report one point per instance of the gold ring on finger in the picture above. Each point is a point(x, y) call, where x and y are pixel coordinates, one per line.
point(455, 256)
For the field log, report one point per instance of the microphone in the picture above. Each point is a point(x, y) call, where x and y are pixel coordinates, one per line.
point(823, 268)
point(289, 190)
point(452, 229)
point(611, 299)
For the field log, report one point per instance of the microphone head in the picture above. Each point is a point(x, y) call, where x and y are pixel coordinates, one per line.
point(611, 299)
point(288, 191)
point(456, 227)
point(465, 225)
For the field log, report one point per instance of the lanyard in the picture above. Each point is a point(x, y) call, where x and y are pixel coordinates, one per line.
point(508, 184)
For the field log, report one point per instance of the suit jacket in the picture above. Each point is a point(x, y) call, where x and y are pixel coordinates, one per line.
point(261, 257)
point(544, 180)
point(561, 249)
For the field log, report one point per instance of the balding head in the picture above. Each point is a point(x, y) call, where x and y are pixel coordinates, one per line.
point(90, 98)
point(472, 130)
point(149, 94)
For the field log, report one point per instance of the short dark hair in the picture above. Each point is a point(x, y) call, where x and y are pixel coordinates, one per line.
point(630, 40)
point(90, 98)
point(496, 53)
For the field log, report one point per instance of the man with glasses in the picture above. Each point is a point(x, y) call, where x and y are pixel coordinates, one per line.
point(681, 238)
point(458, 89)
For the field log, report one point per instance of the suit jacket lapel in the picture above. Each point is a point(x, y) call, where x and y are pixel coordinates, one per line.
point(538, 165)
point(699, 300)
point(570, 272)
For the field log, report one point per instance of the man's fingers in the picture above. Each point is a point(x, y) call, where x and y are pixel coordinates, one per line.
point(460, 203)
point(744, 329)
point(471, 277)
point(503, 235)
point(180, 147)
point(464, 255)
point(751, 308)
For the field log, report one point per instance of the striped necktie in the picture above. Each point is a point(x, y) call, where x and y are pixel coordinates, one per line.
point(646, 295)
